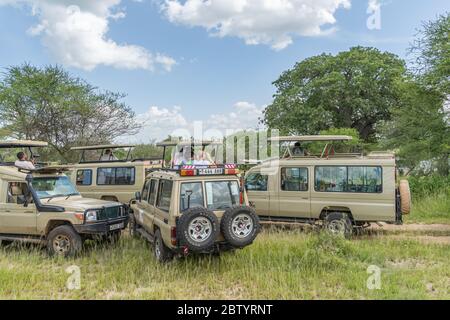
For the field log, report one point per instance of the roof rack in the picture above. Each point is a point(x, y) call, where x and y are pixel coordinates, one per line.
point(203, 170)
point(104, 146)
point(22, 144)
point(173, 143)
point(310, 138)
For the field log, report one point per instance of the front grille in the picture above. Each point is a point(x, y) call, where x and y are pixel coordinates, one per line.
point(111, 213)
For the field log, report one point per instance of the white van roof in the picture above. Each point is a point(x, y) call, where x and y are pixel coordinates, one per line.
point(310, 138)
point(22, 144)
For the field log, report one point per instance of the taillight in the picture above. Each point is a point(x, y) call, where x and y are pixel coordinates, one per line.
point(173, 236)
point(188, 172)
point(241, 198)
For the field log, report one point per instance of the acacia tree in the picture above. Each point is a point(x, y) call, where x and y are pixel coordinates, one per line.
point(354, 89)
point(51, 105)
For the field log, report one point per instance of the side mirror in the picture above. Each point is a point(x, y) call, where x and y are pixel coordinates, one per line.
point(138, 196)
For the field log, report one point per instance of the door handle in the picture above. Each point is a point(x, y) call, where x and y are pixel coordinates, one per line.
point(29, 211)
point(305, 198)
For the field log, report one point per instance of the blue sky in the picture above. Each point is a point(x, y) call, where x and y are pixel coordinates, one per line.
point(174, 70)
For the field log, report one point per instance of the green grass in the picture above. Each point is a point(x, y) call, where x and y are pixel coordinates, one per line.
point(281, 264)
point(434, 208)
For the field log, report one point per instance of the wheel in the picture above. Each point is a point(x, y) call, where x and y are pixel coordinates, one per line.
point(405, 197)
point(64, 241)
point(198, 229)
point(162, 253)
point(132, 227)
point(338, 223)
point(240, 226)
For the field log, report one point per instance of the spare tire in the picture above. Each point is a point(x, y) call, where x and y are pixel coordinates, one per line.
point(240, 226)
point(405, 197)
point(198, 229)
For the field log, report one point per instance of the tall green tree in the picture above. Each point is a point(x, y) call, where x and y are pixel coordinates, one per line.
point(420, 126)
point(353, 89)
point(431, 54)
point(51, 105)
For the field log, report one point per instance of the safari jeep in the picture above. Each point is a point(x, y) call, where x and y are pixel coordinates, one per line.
point(340, 190)
point(193, 209)
point(110, 178)
point(42, 206)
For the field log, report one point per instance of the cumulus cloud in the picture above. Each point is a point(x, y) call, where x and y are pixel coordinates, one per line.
point(76, 35)
point(270, 22)
point(158, 123)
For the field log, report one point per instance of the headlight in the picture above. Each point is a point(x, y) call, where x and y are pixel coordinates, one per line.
point(91, 215)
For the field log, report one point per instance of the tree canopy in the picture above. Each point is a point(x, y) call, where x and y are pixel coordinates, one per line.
point(51, 105)
point(353, 89)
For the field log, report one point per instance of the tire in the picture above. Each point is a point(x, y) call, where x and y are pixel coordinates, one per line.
point(339, 224)
point(240, 226)
point(132, 227)
point(405, 197)
point(198, 229)
point(64, 241)
point(161, 251)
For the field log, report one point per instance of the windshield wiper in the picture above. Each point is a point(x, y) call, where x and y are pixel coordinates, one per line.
point(71, 194)
point(55, 196)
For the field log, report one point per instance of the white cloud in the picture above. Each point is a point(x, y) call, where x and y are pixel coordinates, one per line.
point(159, 122)
point(270, 22)
point(76, 35)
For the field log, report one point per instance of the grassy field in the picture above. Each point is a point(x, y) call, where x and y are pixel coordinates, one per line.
point(281, 264)
point(433, 208)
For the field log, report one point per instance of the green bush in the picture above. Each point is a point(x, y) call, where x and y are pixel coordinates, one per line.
point(423, 186)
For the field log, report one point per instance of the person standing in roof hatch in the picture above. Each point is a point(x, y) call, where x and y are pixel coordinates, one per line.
point(22, 162)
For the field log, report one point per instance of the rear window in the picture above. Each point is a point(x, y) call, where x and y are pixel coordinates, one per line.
point(221, 195)
point(191, 195)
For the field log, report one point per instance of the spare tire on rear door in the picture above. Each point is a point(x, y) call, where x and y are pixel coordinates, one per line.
point(198, 229)
point(405, 197)
point(240, 226)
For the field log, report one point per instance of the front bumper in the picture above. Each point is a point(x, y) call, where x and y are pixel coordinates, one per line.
point(101, 227)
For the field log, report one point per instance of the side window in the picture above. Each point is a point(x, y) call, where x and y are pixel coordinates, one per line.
point(331, 179)
point(294, 179)
point(17, 193)
point(365, 179)
point(191, 195)
point(256, 182)
point(116, 176)
point(145, 190)
point(152, 192)
point(164, 195)
point(356, 179)
point(84, 177)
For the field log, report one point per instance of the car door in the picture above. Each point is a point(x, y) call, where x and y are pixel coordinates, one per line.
point(15, 216)
point(256, 185)
point(162, 206)
point(294, 192)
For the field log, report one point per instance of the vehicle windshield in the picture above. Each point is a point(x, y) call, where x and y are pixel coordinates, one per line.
point(49, 187)
point(221, 195)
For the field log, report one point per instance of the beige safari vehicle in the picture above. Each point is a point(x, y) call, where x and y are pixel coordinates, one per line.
point(193, 209)
point(105, 177)
point(341, 191)
point(42, 206)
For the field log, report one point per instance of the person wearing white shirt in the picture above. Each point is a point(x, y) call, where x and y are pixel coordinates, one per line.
point(22, 162)
point(108, 156)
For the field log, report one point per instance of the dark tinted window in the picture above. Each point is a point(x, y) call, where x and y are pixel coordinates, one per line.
point(152, 192)
point(115, 176)
point(164, 195)
point(358, 179)
point(84, 177)
point(256, 182)
point(294, 179)
point(145, 190)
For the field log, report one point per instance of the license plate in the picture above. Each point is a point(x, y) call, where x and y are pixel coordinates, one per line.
point(210, 171)
point(116, 226)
